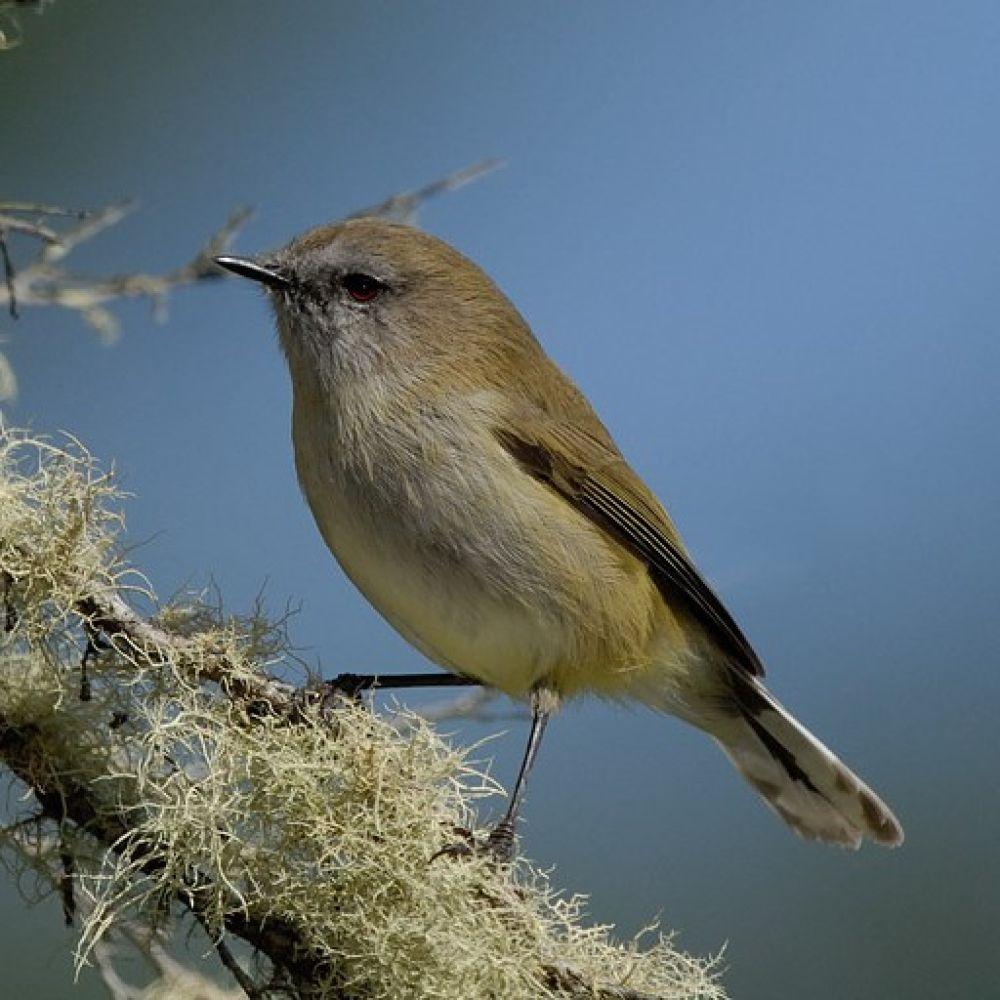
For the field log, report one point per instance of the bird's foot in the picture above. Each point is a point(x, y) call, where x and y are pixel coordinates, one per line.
point(348, 686)
point(499, 846)
point(340, 690)
point(501, 842)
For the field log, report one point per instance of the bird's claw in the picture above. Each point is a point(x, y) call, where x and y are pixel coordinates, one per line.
point(500, 842)
point(498, 846)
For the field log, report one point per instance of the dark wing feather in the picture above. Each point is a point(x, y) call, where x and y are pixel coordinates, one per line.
point(598, 482)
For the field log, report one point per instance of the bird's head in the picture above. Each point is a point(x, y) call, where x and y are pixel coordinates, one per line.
point(366, 290)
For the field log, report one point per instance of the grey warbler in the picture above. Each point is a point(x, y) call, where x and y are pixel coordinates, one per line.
point(471, 493)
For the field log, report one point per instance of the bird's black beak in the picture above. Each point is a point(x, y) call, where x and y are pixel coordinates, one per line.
point(246, 267)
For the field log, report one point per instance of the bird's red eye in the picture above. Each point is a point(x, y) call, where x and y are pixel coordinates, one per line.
point(362, 287)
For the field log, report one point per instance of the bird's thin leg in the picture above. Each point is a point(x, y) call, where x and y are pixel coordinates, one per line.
point(501, 841)
point(352, 684)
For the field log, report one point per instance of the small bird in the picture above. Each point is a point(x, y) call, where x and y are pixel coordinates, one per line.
point(469, 490)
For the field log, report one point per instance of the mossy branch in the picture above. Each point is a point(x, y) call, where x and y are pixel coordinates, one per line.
point(187, 775)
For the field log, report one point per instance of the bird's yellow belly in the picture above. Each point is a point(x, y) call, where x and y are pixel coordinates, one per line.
point(507, 640)
point(449, 617)
point(524, 597)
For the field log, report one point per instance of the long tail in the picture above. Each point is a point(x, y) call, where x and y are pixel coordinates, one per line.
point(800, 779)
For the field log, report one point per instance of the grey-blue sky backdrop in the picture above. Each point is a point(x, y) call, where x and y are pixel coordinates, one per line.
point(765, 240)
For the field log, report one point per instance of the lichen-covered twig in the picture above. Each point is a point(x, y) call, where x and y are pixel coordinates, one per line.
point(207, 657)
point(311, 841)
point(229, 960)
point(41, 851)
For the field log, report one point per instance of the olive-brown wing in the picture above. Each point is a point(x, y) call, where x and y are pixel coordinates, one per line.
point(597, 481)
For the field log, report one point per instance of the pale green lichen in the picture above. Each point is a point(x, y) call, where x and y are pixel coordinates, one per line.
point(328, 825)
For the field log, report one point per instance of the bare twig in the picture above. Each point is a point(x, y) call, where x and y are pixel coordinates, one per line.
point(87, 227)
point(43, 281)
point(36, 229)
point(40, 208)
point(403, 207)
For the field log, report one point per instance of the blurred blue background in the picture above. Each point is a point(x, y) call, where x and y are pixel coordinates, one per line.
point(764, 239)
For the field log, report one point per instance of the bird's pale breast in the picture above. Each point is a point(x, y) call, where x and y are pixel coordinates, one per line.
point(482, 568)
